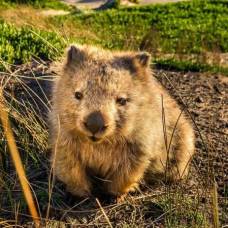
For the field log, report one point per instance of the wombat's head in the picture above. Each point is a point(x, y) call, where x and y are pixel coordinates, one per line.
point(100, 93)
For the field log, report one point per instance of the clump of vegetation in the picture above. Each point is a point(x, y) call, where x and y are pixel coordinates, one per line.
point(17, 46)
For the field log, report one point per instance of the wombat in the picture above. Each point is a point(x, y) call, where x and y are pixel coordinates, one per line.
point(113, 121)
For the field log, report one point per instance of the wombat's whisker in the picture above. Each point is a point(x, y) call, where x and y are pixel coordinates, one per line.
point(102, 179)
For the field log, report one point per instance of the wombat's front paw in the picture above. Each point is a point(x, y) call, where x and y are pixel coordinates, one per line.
point(131, 188)
point(124, 190)
point(80, 192)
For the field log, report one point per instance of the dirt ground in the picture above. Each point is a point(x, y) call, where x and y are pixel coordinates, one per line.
point(205, 97)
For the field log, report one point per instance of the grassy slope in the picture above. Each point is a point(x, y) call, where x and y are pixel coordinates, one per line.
point(188, 30)
point(177, 206)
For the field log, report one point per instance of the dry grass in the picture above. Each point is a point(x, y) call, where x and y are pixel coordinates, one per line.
point(215, 205)
point(17, 160)
point(24, 15)
point(153, 206)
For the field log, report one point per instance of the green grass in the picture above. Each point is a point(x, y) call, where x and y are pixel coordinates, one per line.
point(182, 211)
point(186, 27)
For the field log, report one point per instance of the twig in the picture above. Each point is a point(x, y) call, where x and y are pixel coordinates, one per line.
point(215, 205)
point(105, 215)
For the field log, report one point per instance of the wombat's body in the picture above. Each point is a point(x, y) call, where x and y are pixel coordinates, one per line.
point(112, 120)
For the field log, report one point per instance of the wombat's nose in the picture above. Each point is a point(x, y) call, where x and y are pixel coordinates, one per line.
point(95, 123)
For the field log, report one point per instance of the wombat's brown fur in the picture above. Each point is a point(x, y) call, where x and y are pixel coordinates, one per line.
point(112, 120)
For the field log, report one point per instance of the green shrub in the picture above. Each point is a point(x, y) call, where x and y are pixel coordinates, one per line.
point(17, 46)
point(186, 66)
point(186, 29)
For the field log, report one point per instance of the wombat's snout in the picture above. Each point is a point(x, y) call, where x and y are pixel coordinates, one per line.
point(95, 123)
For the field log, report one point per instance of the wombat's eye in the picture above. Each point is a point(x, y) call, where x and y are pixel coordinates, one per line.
point(121, 101)
point(78, 95)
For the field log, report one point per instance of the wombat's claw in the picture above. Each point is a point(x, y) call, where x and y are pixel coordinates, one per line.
point(121, 198)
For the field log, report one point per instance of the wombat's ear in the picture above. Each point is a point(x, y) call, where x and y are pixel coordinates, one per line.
point(75, 55)
point(136, 63)
point(142, 59)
